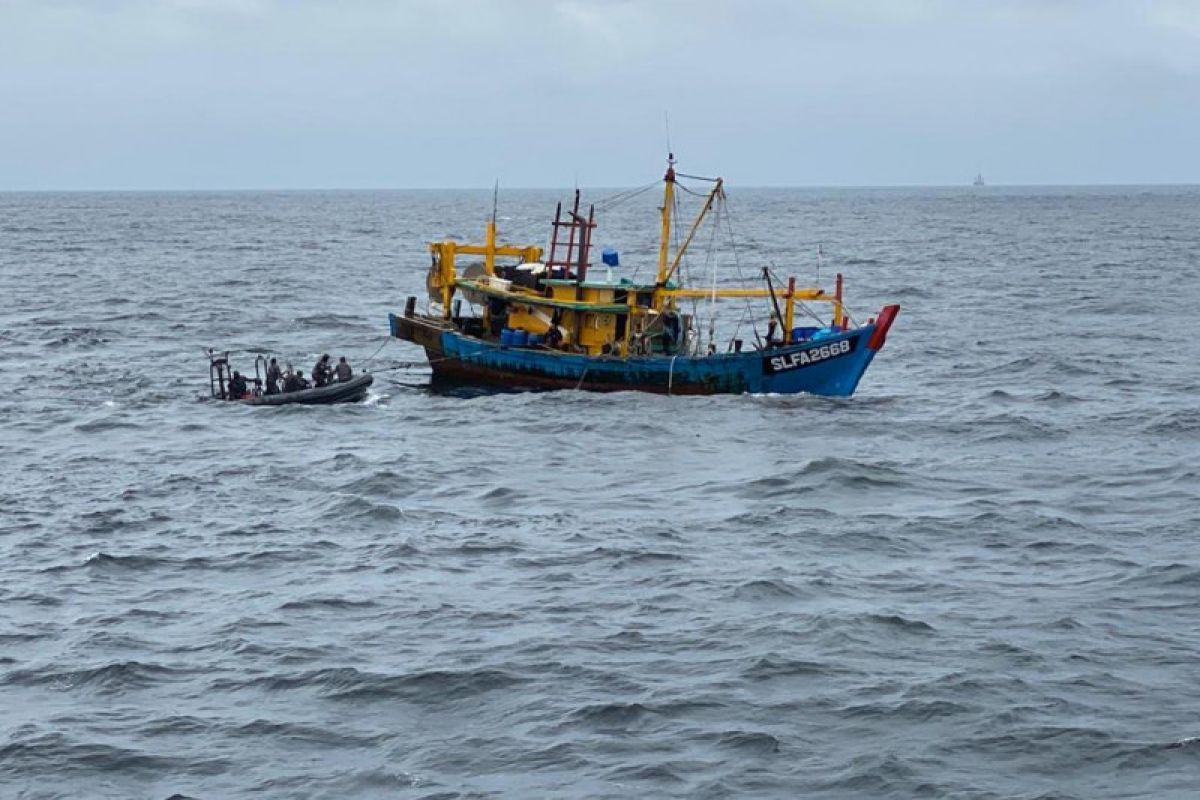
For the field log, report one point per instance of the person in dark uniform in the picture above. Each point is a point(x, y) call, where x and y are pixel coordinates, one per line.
point(237, 386)
point(672, 329)
point(343, 371)
point(321, 372)
point(772, 325)
point(273, 377)
point(293, 381)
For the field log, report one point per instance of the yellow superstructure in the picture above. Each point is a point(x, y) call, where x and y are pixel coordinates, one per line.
point(597, 317)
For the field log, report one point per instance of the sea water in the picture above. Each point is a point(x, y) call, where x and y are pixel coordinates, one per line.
point(977, 578)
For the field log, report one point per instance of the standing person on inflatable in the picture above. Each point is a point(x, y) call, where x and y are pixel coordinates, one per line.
point(321, 372)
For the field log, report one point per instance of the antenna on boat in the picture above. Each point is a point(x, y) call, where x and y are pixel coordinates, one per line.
point(495, 199)
point(818, 281)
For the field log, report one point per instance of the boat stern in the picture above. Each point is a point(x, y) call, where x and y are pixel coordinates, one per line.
point(420, 330)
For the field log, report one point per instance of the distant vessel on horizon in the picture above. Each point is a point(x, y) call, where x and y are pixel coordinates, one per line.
point(979, 179)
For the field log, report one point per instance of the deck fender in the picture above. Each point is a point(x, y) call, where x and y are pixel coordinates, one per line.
point(886, 317)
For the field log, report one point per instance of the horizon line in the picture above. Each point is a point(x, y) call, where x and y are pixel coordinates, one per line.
point(298, 189)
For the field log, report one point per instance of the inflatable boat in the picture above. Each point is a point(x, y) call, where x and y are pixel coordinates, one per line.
point(351, 391)
point(223, 379)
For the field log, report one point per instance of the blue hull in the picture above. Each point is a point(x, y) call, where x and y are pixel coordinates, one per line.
point(832, 366)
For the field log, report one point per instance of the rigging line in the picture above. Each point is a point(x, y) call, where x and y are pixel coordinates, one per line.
point(603, 204)
point(403, 365)
point(727, 215)
point(775, 275)
point(386, 339)
point(696, 177)
point(631, 194)
point(738, 265)
point(685, 272)
point(736, 330)
point(628, 194)
point(697, 335)
point(712, 299)
point(691, 191)
point(807, 309)
point(631, 191)
point(709, 268)
point(523, 230)
point(611, 203)
point(694, 303)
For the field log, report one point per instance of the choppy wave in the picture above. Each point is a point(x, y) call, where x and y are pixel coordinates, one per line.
point(976, 578)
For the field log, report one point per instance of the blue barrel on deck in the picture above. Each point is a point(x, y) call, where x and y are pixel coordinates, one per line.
point(803, 334)
point(535, 339)
point(506, 337)
point(520, 337)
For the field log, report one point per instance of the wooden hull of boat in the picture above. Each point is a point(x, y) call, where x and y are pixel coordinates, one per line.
point(351, 391)
point(832, 366)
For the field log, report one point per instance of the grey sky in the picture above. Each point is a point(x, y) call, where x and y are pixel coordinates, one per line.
point(418, 93)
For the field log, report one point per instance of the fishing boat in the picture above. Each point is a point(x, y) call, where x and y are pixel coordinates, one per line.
point(220, 375)
point(549, 323)
point(979, 179)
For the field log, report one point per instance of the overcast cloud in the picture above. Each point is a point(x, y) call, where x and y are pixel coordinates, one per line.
point(419, 93)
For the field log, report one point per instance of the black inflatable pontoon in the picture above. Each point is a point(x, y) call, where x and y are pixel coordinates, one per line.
point(351, 391)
